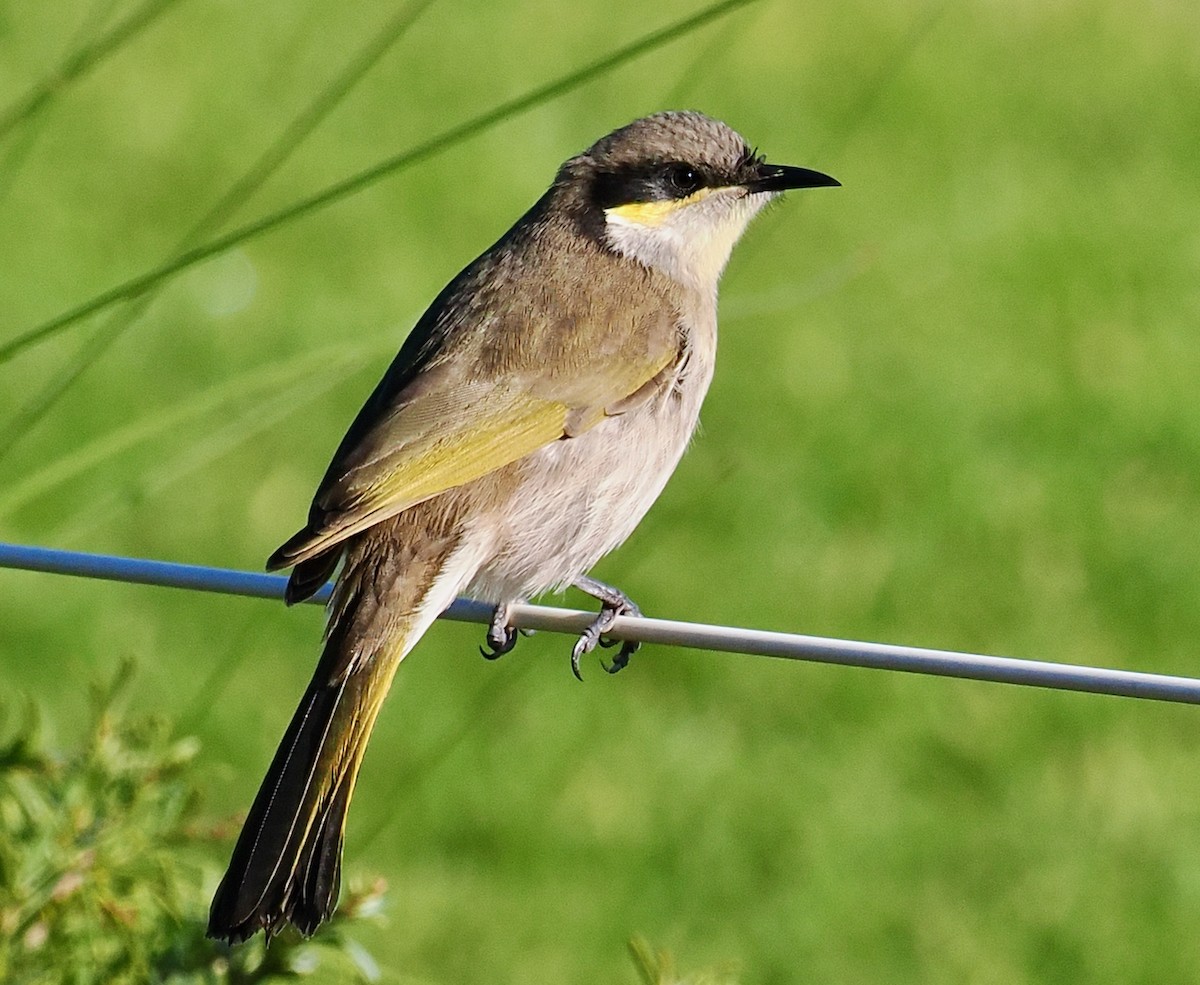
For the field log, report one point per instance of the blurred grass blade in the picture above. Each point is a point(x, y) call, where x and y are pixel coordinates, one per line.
point(702, 65)
point(334, 363)
point(81, 61)
point(35, 409)
point(310, 118)
point(233, 432)
point(363, 179)
point(882, 79)
point(17, 154)
point(267, 164)
point(18, 151)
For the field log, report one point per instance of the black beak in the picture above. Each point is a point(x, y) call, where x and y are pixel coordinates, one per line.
point(780, 178)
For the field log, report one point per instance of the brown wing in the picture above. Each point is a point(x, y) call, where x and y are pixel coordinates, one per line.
point(481, 384)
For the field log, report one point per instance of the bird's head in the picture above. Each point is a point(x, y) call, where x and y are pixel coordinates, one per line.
point(674, 191)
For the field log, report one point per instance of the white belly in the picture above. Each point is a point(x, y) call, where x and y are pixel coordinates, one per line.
point(581, 497)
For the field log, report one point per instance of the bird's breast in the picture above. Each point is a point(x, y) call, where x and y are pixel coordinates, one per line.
point(576, 499)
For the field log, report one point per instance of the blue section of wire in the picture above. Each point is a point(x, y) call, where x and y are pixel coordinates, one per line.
point(878, 656)
point(145, 572)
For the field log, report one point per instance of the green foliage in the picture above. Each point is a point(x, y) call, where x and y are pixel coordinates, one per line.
point(658, 968)
point(100, 877)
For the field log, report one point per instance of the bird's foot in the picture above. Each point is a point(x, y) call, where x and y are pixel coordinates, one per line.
point(613, 604)
point(500, 636)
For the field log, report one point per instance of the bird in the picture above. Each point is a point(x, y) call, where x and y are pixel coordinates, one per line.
point(530, 419)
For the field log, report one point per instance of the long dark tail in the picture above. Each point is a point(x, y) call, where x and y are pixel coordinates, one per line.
point(286, 866)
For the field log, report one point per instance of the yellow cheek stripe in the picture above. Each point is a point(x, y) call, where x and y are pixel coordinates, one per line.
point(654, 213)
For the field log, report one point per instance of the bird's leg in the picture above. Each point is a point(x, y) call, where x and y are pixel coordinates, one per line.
point(500, 636)
point(613, 603)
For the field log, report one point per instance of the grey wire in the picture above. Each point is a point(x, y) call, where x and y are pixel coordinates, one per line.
point(878, 656)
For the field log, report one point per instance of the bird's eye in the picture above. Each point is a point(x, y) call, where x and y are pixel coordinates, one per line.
point(683, 179)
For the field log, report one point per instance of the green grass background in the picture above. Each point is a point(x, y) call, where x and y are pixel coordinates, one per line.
point(957, 404)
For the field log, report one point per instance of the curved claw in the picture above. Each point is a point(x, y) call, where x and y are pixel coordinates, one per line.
point(500, 637)
point(590, 637)
point(577, 652)
point(613, 604)
point(499, 647)
point(593, 635)
point(621, 660)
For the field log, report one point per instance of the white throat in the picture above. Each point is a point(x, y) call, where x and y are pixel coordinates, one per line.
point(688, 240)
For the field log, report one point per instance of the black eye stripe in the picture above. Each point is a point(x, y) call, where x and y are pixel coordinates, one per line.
point(655, 182)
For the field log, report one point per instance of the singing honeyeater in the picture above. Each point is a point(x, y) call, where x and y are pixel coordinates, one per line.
point(530, 419)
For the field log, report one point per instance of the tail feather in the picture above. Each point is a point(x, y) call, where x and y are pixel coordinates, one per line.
point(286, 866)
point(260, 890)
point(321, 865)
point(309, 577)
